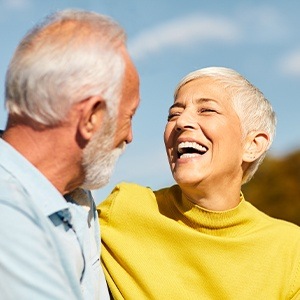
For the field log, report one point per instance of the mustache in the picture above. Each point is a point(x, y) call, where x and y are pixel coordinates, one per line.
point(122, 147)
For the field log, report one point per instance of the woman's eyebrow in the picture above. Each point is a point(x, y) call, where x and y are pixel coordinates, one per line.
point(177, 104)
point(205, 100)
point(198, 101)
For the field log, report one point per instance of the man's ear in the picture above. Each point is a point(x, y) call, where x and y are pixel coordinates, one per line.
point(256, 144)
point(92, 113)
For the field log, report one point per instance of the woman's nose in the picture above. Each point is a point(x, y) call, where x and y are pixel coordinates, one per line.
point(187, 120)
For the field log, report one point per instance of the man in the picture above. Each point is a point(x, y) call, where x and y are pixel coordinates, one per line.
point(71, 92)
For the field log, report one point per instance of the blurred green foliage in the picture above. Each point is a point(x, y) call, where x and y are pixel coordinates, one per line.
point(275, 187)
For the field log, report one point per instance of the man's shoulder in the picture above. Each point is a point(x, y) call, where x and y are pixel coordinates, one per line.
point(11, 189)
point(14, 197)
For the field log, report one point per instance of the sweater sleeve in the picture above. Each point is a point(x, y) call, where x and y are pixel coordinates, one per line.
point(122, 226)
point(104, 208)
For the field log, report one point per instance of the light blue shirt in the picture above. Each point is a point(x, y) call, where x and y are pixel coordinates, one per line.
point(49, 248)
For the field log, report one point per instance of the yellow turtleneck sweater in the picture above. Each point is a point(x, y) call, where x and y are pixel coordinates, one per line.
point(158, 245)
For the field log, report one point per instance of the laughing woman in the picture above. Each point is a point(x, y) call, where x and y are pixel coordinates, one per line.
point(200, 239)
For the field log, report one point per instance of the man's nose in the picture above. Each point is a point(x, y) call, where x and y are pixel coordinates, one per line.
point(129, 137)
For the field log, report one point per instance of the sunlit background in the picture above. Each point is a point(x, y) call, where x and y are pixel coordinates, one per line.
point(170, 38)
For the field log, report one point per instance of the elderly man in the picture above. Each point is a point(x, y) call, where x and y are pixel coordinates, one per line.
point(71, 93)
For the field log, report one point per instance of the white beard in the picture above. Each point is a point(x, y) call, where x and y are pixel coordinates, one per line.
point(98, 158)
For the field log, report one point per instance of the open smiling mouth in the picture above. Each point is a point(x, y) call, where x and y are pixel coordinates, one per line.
point(190, 149)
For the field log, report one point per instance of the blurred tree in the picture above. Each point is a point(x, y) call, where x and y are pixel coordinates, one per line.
point(275, 187)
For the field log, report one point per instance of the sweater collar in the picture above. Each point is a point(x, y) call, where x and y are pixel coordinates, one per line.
point(231, 222)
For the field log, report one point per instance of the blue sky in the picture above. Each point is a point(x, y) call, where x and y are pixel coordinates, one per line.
point(170, 38)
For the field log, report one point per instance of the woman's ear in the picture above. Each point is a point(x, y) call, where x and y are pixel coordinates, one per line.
point(256, 144)
point(92, 113)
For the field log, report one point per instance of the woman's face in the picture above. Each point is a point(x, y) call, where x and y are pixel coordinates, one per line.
point(203, 136)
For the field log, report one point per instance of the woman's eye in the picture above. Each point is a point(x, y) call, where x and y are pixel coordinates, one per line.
point(173, 115)
point(207, 110)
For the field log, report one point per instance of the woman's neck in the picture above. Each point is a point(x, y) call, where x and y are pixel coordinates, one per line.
point(215, 199)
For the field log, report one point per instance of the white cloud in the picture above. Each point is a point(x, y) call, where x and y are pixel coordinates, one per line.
point(183, 32)
point(262, 23)
point(16, 4)
point(290, 64)
point(248, 24)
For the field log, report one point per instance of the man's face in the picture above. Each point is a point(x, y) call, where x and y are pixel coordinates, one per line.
point(104, 149)
point(203, 136)
point(98, 158)
point(128, 104)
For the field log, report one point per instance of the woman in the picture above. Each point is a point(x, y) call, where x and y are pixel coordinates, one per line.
point(200, 239)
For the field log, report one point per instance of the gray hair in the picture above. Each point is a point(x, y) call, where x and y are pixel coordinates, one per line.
point(254, 110)
point(70, 56)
